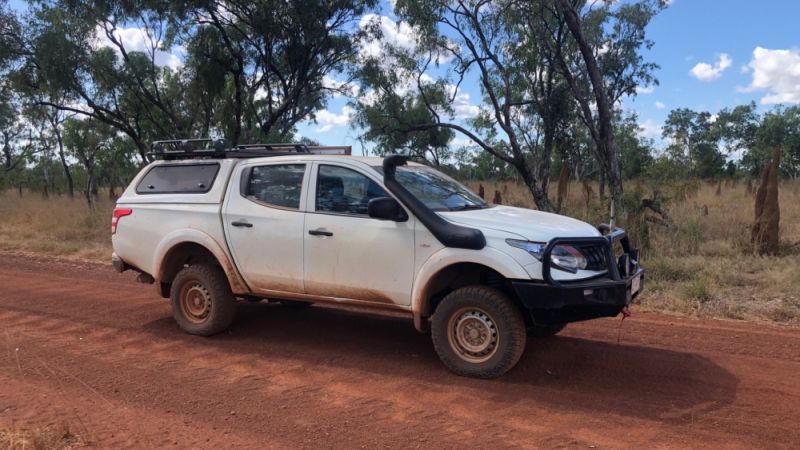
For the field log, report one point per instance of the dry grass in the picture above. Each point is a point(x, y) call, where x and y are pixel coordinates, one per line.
point(47, 438)
point(703, 265)
point(699, 265)
point(58, 226)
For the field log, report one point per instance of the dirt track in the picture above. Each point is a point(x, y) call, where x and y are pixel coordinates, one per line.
point(84, 346)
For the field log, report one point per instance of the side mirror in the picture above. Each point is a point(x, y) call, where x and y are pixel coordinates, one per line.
point(386, 208)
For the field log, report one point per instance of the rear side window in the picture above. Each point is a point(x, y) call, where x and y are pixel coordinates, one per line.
point(277, 185)
point(178, 179)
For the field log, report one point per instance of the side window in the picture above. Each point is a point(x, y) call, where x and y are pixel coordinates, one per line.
point(345, 191)
point(178, 179)
point(278, 185)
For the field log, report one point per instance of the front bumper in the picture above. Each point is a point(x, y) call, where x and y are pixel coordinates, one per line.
point(554, 302)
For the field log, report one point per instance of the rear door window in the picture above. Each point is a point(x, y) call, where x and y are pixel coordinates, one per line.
point(276, 185)
point(179, 179)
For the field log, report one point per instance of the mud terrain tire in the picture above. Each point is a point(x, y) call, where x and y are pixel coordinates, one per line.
point(202, 301)
point(478, 332)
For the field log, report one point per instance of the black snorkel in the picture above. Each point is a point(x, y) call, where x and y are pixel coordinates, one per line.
point(449, 234)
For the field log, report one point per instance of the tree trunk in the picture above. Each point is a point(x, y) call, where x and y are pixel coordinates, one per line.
point(602, 188)
point(91, 186)
point(539, 195)
point(65, 166)
point(563, 186)
point(112, 192)
point(606, 145)
point(46, 184)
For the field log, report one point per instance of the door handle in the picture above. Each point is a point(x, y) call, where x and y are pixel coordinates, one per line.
point(241, 223)
point(320, 232)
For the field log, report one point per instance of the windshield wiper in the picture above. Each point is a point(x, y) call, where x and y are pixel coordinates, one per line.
point(466, 207)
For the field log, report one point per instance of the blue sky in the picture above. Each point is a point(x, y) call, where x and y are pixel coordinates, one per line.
point(720, 34)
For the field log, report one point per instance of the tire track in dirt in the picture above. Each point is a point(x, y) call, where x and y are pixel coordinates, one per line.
point(104, 351)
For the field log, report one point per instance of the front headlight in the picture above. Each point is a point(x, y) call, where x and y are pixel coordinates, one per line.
point(534, 248)
point(563, 257)
point(567, 257)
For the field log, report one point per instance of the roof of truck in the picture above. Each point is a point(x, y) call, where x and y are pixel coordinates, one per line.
point(204, 149)
point(369, 160)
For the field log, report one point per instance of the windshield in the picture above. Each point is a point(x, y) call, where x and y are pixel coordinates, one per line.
point(436, 190)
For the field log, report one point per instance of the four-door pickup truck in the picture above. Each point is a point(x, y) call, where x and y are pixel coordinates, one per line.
point(288, 223)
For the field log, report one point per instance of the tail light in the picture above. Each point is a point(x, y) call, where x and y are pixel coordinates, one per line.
point(118, 214)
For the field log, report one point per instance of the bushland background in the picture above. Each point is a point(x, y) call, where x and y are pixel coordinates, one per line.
point(87, 86)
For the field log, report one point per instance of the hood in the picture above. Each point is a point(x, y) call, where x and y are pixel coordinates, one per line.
point(533, 225)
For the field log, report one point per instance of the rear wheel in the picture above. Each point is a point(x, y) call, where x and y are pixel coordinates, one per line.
point(478, 332)
point(202, 301)
point(545, 331)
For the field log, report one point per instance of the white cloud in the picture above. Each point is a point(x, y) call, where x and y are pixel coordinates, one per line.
point(645, 89)
point(660, 105)
point(462, 142)
point(649, 129)
point(328, 120)
point(135, 39)
point(707, 72)
point(778, 73)
point(400, 35)
point(339, 88)
point(385, 33)
point(462, 108)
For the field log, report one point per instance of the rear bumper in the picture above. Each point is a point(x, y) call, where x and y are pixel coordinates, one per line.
point(572, 302)
point(118, 263)
point(554, 302)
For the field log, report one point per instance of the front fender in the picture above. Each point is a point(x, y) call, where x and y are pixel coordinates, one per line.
point(488, 256)
point(183, 236)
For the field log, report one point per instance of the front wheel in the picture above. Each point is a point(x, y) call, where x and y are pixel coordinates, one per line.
point(202, 301)
point(478, 332)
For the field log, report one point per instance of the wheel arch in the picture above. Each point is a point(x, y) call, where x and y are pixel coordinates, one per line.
point(450, 269)
point(183, 247)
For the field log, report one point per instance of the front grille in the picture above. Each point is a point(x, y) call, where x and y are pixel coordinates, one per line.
point(595, 254)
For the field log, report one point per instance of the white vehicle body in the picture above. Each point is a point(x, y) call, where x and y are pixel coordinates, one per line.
point(313, 255)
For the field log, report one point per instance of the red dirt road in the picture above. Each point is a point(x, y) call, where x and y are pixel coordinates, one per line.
point(87, 347)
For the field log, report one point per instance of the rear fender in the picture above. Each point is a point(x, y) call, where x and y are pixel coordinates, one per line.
point(177, 237)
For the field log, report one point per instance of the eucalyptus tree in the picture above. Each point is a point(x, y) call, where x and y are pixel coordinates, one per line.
point(166, 69)
point(73, 50)
point(390, 116)
point(694, 141)
point(269, 62)
point(541, 65)
point(11, 130)
point(86, 140)
point(601, 62)
point(779, 128)
point(523, 107)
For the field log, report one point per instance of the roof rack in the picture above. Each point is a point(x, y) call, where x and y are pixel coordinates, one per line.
point(175, 149)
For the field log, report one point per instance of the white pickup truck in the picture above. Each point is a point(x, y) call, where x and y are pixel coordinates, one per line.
point(286, 223)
